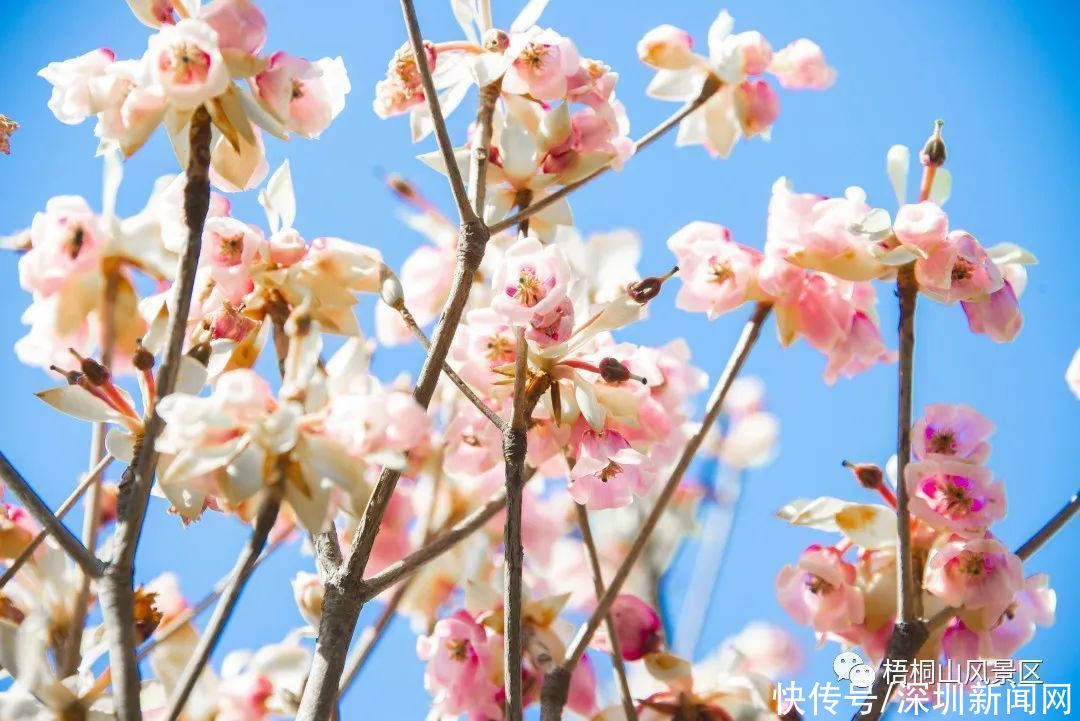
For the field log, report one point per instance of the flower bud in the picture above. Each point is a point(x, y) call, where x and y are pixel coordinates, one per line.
point(308, 591)
point(644, 290)
point(666, 47)
point(390, 289)
point(92, 370)
point(637, 627)
point(72, 377)
point(868, 475)
point(495, 40)
point(142, 359)
point(933, 153)
point(613, 371)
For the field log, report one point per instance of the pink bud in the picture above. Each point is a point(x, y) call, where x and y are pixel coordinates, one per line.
point(637, 627)
point(666, 47)
point(998, 316)
point(801, 66)
point(922, 225)
point(240, 25)
point(757, 106)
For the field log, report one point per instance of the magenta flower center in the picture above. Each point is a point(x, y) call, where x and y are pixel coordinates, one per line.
point(941, 441)
point(952, 496)
point(529, 290)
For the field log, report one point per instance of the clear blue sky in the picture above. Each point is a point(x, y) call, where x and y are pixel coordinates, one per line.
point(1001, 75)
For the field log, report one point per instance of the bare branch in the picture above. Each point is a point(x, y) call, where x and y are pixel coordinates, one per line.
point(515, 445)
point(609, 622)
point(32, 502)
point(478, 166)
point(553, 699)
point(245, 564)
point(69, 503)
point(712, 84)
point(117, 598)
point(907, 290)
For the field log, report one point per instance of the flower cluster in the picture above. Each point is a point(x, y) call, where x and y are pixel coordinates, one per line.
point(198, 56)
point(954, 500)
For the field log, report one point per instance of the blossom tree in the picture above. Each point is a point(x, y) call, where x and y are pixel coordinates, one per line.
point(539, 469)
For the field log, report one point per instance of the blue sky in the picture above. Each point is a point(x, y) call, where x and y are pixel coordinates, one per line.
point(1000, 75)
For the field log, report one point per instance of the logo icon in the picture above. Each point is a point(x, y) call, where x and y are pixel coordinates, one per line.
point(850, 667)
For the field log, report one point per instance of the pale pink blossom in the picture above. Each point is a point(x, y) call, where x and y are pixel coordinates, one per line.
point(997, 316)
point(66, 240)
point(718, 274)
point(378, 420)
point(955, 496)
point(820, 591)
point(185, 61)
point(306, 96)
point(1072, 374)
point(460, 669)
point(923, 226)
point(543, 61)
point(581, 697)
point(308, 593)
point(240, 25)
point(230, 249)
point(402, 89)
point(801, 65)
point(666, 47)
point(959, 269)
point(979, 574)
point(608, 473)
point(637, 628)
point(953, 432)
point(531, 283)
point(484, 342)
point(814, 232)
point(77, 85)
point(756, 106)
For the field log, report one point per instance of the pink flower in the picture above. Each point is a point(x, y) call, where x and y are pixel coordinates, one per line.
point(484, 342)
point(717, 273)
point(637, 628)
point(402, 89)
point(77, 85)
point(860, 349)
point(1035, 605)
point(755, 50)
point(65, 240)
point(305, 95)
point(814, 232)
point(17, 530)
point(958, 269)
point(230, 248)
point(921, 225)
point(955, 496)
point(459, 667)
point(757, 106)
point(666, 47)
point(975, 574)
point(543, 62)
point(820, 591)
point(953, 432)
point(531, 282)
point(997, 316)
point(581, 698)
point(185, 61)
point(801, 65)
point(608, 472)
point(240, 25)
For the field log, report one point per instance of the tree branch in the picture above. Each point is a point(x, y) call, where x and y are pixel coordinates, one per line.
point(32, 502)
point(712, 84)
point(478, 166)
point(117, 598)
point(553, 700)
point(69, 503)
point(245, 564)
point(609, 622)
point(342, 600)
point(907, 290)
point(450, 373)
point(457, 186)
point(515, 445)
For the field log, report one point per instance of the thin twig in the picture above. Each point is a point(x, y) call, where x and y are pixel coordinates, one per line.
point(343, 599)
point(556, 685)
point(32, 502)
point(515, 445)
point(450, 373)
point(117, 596)
point(478, 166)
point(905, 648)
point(907, 290)
point(609, 621)
point(67, 505)
point(446, 147)
point(245, 564)
point(712, 84)
point(92, 514)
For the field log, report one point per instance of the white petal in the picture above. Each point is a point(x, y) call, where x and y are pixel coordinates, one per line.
point(528, 16)
point(897, 163)
point(868, 525)
point(675, 85)
point(278, 199)
point(594, 413)
point(721, 27)
point(941, 187)
point(465, 14)
point(120, 445)
point(80, 403)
